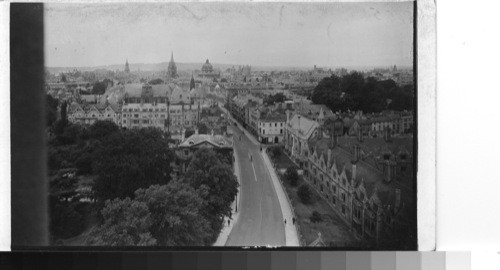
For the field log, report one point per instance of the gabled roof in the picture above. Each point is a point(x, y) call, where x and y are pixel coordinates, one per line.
point(217, 141)
point(302, 127)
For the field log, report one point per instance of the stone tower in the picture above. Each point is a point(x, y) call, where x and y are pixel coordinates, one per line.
point(127, 69)
point(172, 68)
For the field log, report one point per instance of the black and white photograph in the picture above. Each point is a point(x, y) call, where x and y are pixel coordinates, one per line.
point(229, 124)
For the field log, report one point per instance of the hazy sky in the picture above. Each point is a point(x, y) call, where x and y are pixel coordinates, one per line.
point(275, 34)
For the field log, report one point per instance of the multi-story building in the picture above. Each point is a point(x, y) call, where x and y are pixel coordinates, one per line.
point(367, 181)
point(272, 127)
point(145, 106)
point(298, 131)
point(90, 113)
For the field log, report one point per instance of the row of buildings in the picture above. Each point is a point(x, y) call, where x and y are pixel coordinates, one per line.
point(267, 122)
point(362, 165)
point(166, 106)
point(367, 180)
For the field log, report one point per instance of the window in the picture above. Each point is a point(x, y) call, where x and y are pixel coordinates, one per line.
point(136, 115)
point(334, 201)
point(281, 131)
point(334, 189)
point(186, 152)
point(275, 124)
point(343, 197)
point(145, 121)
point(343, 209)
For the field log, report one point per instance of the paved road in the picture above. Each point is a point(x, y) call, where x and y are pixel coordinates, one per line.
point(260, 222)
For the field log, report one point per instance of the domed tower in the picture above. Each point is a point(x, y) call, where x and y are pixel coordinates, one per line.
point(207, 67)
point(172, 68)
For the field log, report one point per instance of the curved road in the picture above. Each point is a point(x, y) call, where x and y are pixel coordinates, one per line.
point(260, 221)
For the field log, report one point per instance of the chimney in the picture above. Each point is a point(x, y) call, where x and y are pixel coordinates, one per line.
point(333, 138)
point(357, 152)
point(360, 134)
point(329, 160)
point(354, 171)
point(387, 134)
point(398, 198)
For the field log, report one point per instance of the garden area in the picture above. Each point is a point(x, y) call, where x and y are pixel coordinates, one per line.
point(313, 214)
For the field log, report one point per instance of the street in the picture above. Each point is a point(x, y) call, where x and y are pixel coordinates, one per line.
point(261, 221)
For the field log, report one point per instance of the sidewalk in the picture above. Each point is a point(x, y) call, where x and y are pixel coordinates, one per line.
point(291, 235)
point(226, 230)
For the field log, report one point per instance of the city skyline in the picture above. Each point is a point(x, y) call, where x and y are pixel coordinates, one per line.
point(323, 34)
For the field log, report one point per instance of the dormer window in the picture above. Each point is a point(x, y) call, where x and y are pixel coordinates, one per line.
point(191, 142)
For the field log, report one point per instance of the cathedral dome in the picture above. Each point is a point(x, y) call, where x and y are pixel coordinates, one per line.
point(207, 67)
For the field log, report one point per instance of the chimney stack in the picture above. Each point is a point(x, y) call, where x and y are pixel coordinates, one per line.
point(354, 170)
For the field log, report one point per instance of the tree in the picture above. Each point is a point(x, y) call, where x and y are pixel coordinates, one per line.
point(156, 81)
point(64, 113)
point(63, 78)
point(176, 212)
point(51, 109)
point(129, 160)
point(188, 133)
point(202, 128)
point(305, 194)
point(215, 183)
point(126, 222)
point(292, 176)
point(102, 129)
point(99, 88)
point(316, 217)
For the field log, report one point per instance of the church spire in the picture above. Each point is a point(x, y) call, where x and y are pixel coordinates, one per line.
point(171, 56)
point(127, 69)
point(192, 85)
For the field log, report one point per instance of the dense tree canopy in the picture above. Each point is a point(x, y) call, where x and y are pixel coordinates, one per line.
point(276, 98)
point(353, 92)
point(292, 176)
point(130, 160)
point(99, 88)
point(215, 183)
point(156, 81)
point(126, 223)
point(176, 211)
point(102, 129)
point(51, 109)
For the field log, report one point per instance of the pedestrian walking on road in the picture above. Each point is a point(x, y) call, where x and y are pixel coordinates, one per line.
point(228, 222)
point(293, 220)
point(285, 221)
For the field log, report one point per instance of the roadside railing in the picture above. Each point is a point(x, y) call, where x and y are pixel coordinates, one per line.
point(302, 241)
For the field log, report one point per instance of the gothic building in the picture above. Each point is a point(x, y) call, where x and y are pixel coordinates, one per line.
point(172, 68)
